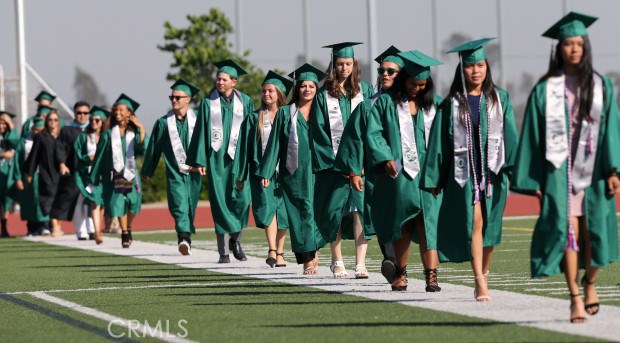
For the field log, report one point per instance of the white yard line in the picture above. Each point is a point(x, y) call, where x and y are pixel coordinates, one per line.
point(142, 329)
point(521, 309)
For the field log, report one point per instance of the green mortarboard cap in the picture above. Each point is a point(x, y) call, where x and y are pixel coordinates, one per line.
point(417, 64)
point(307, 72)
point(186, 87)
point(7, 113)
point(473, 51)
point(571, 25)
point(390, 55)
point(279, 81)
point(44, 109)
point(38, 122)
point(343, 50)
point(97, 111)
point(45, 95)
point(231, 68)
point(127, 101)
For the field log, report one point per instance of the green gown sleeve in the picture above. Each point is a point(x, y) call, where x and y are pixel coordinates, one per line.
point(200, 142)
point(511, 139)
point(320, 139)
point(12, 138)
point(350, 158)
point(613, 127)
point(103, 151)
point(269, 161)
point(154, 150)
point(81, 152)
point(245, 149)
point(379, 150)
point(437, 166)
point(528, 173)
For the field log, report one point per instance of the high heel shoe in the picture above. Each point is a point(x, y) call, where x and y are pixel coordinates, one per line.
point(270, 260)
point(576, 319)
point(431, 280)
point(281, 254)
point(592, 308)
point(400, 277)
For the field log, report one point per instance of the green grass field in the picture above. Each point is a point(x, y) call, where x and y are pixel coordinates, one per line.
point(221, 307)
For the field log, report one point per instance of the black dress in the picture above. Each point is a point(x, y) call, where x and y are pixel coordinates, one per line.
point(42, 157)
point(67, 193)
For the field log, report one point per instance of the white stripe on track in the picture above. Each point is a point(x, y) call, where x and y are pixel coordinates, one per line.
point(515, 308)
point(148, 330)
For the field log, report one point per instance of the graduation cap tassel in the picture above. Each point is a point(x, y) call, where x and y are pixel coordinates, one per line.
point(551, 57)
point(463, 82)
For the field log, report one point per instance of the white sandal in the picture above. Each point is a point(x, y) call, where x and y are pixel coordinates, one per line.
point(340, 274)
point(361, 272)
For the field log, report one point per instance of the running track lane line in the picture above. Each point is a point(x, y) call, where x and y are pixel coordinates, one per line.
point(508, 307)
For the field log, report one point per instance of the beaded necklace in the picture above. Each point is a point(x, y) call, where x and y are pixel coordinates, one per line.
point(571, 243)
point(478, 186)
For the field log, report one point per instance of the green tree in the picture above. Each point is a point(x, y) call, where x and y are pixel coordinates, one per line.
point(205, 41)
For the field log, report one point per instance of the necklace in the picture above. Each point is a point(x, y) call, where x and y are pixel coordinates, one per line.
point(470, 148)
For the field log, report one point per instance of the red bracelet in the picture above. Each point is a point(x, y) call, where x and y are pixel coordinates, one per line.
point(352, 175)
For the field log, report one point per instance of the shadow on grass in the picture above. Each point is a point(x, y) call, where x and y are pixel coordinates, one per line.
point(392, 324)
point(101, 332)
point(271, 303)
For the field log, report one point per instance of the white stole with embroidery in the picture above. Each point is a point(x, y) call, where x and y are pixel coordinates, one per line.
point(336, 125)
point(292, 149)
point(217, 126)
point(175, 139)
point(125, 165)
point(411, 163)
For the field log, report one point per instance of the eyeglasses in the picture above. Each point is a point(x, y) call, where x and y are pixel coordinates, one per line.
point(390, 71)
point(82, 113)
point(52, 119)
point(177, 97)
point(97, 120)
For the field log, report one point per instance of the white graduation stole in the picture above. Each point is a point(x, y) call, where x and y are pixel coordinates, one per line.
point(91, 146)
point(266, 131)
point(336, 125)
point(125, 165)
point(555, 120)
point(28, 146)
point(217, 127)
point(411, 163)
point(175, 139)
point(495, 141)
point(496, 151)
point(292, 148)
point(429, 116)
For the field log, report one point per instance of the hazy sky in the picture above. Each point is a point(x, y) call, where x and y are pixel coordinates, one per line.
point(116, 40)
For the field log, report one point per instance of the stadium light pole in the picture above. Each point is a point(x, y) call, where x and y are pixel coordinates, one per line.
point(2, 87)
point(500, 33)
point(435, 34)
point(306, 30)
point(372, 37)
point(239, 21)
point(21, 59)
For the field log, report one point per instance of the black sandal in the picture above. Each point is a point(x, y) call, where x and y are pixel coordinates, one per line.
point(400, 273)
point(593, 306)
point(431, 280)
point(280, 264)
point(126, 239)
point(270, 260)
point(576, 319)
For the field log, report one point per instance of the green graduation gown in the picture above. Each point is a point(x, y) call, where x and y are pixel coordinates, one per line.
point(397, 201)
point(229, 206)
point(183, 189)
point(533, 172)
point(298, 188)
point(332, 189)
point(116, 204)
point(266, 202)
point(456, 215)
point(82, 179)
point(28, 198)
point(7, 168)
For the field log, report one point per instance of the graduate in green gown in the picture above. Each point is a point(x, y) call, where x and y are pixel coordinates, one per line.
point(44, 104)
point(114, 165)
point(267, 203)
point(397, 136)
point(568, 157)
point(289, 147)
point(339, 210)
point(470, 154)
point(8, 141)
point(28, 192)
point(212, 151)
point(171, 136)
point(85, 148)
point(351, 161)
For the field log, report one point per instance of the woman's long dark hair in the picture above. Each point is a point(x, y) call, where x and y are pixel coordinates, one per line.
point(351, 84)
point(586, 73)
point(425, 99)
point(113, 121)
point(295, 97)
point(456, 91)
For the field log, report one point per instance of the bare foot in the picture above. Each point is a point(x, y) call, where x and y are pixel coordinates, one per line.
point(481, 289)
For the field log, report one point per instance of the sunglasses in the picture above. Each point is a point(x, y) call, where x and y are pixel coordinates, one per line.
point(177, 97)
point(82, 113)
point(97, 120)
point(390, 71)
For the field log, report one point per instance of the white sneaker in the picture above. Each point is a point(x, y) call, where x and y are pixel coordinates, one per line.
point(185, 249)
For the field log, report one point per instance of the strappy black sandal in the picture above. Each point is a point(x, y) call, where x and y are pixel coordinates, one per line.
point(126, 239)
point(577, 320)
point(593, 307)
point(270, 260)
point(400, 275)
point(431, 280)
point(280, 264)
